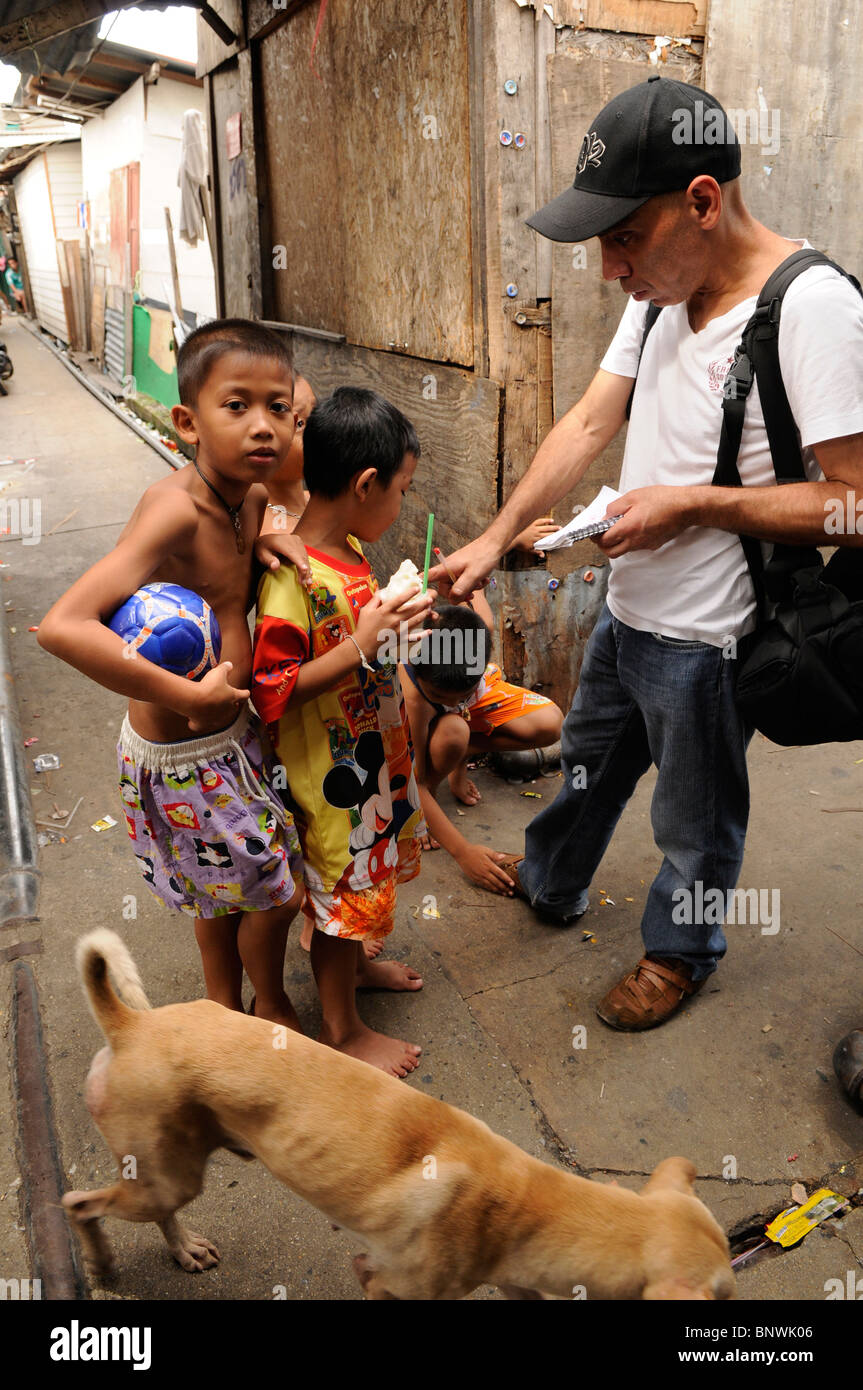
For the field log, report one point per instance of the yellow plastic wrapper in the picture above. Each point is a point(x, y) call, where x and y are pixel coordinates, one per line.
point(794, 1223)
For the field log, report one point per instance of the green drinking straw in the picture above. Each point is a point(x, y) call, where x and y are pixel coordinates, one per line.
point(428, 552)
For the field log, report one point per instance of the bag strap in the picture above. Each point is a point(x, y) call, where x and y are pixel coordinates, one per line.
point(757, 358)
point(649, 320)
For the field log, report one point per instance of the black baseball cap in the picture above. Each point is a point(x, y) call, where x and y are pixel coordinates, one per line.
point(653, 138)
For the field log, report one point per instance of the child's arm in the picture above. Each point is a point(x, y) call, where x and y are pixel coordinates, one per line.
point(477, 861)
point(283, 674)
point(274, 546)
point(278, 520)
point(74, 628)
point(481, 607)
point(275, 542)
point(536, 531)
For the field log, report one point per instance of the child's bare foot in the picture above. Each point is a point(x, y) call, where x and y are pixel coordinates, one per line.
point(387, 974)
point(388, 1054)
point(279, 1011)
point(372, 949)
point(462, 788)
point(428, 842)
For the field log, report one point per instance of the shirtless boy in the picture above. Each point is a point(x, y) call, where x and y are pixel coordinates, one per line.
point(211, 836)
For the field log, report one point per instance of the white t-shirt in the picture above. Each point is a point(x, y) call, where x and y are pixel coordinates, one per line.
point(696, 587)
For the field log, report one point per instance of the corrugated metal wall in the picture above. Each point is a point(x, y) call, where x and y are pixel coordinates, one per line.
point(115, 352)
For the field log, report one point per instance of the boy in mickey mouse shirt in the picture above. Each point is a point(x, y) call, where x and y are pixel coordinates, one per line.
point(337, 715)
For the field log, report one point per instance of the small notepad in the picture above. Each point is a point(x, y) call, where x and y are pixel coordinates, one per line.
point(589, 522)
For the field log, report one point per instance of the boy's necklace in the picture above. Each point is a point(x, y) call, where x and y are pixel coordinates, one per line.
point(233, 512)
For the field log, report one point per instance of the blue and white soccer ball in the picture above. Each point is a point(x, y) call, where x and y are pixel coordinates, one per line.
point(171, 626)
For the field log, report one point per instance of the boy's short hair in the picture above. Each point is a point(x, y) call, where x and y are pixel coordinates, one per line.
point(455, 653)
point(351, 430)
point(203, 348)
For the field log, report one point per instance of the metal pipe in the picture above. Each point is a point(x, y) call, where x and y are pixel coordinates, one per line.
point(19, 874)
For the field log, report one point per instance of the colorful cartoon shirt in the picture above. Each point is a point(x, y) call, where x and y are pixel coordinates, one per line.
point(347, 753)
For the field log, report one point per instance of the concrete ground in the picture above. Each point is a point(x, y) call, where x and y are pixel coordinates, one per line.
point(741, 1082)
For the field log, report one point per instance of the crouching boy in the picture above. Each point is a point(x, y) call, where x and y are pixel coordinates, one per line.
point(459, 704)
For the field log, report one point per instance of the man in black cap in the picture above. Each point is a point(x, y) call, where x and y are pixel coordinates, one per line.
point(658, 183)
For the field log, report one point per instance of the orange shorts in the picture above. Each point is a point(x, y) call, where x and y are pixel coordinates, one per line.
point(366, 914)
point(500, 702)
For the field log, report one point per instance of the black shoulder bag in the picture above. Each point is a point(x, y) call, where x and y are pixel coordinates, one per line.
point(800, 678)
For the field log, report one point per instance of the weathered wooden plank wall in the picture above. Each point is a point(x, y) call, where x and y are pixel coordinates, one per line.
point(684, 18)
point(213, 51)
point(375, 214)
point(519, 346)
point(301, 136)
point(237, 210)
point(511, 247)
point(802, 170)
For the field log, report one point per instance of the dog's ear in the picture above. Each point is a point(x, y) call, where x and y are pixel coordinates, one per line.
point(672, 1175)
point(675, 1290)
point(87, 1206)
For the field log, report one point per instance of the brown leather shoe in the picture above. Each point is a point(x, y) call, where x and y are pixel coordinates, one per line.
point(648, 995)
point(509, 866)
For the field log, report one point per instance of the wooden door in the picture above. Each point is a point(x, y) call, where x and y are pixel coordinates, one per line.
point(118, 196)
point(133, 216)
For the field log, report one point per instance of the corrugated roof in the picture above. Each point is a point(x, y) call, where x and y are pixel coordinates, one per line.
point(73, 76)
point(90, 79)
point(19, 19)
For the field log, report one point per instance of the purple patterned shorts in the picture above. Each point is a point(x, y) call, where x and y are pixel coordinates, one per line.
point(209, 832)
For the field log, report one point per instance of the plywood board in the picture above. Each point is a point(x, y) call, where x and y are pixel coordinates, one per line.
point(97, 316)
point(71, 334)
point(119, 226)
point(369, 175)
point(236, 210)
point(513, 44)
point(78, 326)
point(586, 309)
point(802, 155)
point(212, 50)
point(264, 15)
point(301, 136)
point(456, 415)
point(511, 246)
point(680, 18)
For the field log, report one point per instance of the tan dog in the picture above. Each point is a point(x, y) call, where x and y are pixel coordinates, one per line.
point(441, 1203)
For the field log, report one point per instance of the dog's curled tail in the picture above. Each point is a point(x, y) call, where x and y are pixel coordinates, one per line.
point(96, 954)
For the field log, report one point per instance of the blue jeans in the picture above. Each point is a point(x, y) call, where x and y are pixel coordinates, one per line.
point(644, 699)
